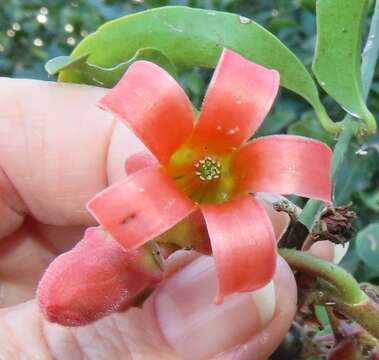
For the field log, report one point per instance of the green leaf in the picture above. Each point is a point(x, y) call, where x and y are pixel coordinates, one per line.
point(350, 262)
point(367, 245)
point(338, 54)
point(89, 73)
point(283, 113)
point(309, 126)
point(322, 315)
point(310, 5)
point(371, 199)
point(355, 174)
point(191, 37)
point(60, 63)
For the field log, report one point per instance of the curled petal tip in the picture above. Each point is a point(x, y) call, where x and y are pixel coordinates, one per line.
point(285, 164)
point(150, 101)
point(143, 206)
point(237, 101)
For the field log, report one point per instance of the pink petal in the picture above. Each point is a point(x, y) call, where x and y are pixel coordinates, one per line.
point(139, 161)
point(243, 244)
point(285, 164)
point(94, 279)
point(153, 104)
point(238, 99)
point(141, 207)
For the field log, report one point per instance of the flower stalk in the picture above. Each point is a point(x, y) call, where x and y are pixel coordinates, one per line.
point(365, 314)
point(339, 288)
point(347, 287)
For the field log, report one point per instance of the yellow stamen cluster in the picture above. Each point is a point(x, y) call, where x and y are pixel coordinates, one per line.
point(208, 169)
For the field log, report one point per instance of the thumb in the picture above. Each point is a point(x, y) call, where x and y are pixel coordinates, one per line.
point(246, 325)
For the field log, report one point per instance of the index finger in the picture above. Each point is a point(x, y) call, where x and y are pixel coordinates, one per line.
point(54, 145)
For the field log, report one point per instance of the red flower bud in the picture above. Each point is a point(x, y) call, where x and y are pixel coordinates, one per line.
point(96, 278)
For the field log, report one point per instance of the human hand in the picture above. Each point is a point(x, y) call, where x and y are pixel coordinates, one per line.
point(57, 150)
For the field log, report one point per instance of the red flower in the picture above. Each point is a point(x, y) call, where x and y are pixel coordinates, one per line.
point(208, 166)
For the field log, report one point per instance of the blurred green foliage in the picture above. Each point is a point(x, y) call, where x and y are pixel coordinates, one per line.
point(33, 31)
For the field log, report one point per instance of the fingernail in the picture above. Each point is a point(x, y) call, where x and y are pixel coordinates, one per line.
point(323, 249)
point(340, 251)
point(329, 251)
point(197, 328)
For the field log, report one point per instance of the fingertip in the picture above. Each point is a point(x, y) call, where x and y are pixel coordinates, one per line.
point(323, 249)
point(53, 147)
point(197, 328)
point(329, 251)
point(340, 250)
point(264, 343)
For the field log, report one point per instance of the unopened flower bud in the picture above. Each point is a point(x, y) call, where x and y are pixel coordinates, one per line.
point(96, 278)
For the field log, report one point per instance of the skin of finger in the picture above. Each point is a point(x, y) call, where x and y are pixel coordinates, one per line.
point(53, 147)
point(134, 334)
point(24, 258)
point(12, 208)
point(119, 150)
point(25, 254)
point(12, 219)
point(60, 238)
point(323, 249)
point(178, 260)
point(261, 346)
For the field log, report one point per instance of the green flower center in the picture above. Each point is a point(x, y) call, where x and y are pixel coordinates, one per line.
point(203, 176)
point(208, 169)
